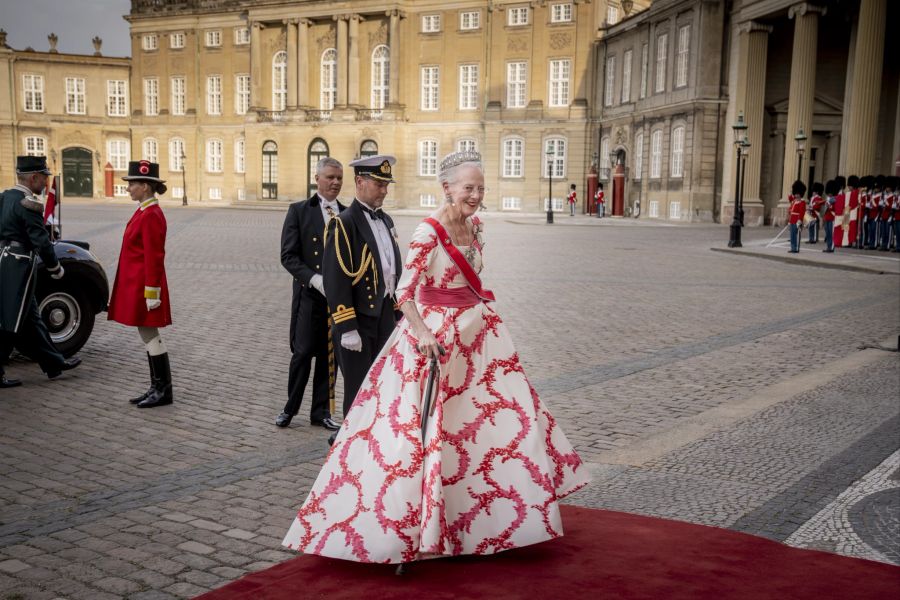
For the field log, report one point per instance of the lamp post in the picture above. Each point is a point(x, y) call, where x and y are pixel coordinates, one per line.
point(800, 138)
point(739, 129)
point(613, 161)
point(184, 200)
point(745, 152)
point(550, 187)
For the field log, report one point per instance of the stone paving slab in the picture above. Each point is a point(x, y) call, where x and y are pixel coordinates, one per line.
point(627, 332)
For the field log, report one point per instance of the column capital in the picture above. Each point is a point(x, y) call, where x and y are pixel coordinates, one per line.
point(357, 17)
point(343, 17)
point(806, 7)
point(751, 26)
point(292, 21)
point(305, 22)
point(395, 12)
point(257, 25)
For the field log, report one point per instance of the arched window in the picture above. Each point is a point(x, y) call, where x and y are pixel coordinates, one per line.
point(656, 154)
point(677, 151)
point(176, 155)
point(150, 150)
point(466, 145)
point(279, 81)
point(555, 152)
point(270, 170)
point(318, 149)
point(329, 79)
point(381, 67)
point(368, 148)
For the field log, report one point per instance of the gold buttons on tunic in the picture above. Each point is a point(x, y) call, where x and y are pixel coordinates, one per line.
point(316, 253)
point(315, 239)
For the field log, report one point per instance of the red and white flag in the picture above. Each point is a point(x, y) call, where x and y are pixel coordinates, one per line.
point(50, 206)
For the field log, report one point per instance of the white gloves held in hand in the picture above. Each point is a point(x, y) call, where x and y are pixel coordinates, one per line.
point(59, 274)
point(153, 303)
point(315, 282)
point(351, 341)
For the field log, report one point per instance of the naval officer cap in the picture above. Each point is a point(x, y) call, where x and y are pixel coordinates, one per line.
point(25, 165)
point(377, 167)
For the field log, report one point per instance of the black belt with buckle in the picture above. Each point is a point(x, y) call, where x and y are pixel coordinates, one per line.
point(13, 244)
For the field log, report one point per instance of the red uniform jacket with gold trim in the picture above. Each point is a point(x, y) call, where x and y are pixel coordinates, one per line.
point(798, 207)
point(142, 265)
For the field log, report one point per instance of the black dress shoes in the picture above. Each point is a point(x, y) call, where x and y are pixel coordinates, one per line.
point(67, 365)
point(331, 438)
point(283, 420)
point(327, 423)
point(8, 383)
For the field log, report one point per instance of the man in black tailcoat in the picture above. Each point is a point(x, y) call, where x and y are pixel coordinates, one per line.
point(361, 270)
point(302, 250)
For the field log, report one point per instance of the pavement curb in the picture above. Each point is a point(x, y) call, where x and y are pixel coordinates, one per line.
point(804, 261)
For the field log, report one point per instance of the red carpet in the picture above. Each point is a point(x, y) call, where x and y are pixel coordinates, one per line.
point(603, 555)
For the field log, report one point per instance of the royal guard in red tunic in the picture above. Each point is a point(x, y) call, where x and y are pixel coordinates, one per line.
point(840, 211)
point(887, 213)
point(140, 295)
point(831, 189)
point(816, 204)
point(853, 206)
point(795, 213)
point(895, 213)
point(599, 200)
point(572, 199)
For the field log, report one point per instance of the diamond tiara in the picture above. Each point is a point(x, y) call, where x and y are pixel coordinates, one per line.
point(457, 158)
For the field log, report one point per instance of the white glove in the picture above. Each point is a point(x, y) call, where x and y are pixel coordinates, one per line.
point(351, 341)
point(315, 282)
point(153, 303)
point(59, 274)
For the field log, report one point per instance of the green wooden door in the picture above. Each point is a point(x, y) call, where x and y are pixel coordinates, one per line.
point(78, 173)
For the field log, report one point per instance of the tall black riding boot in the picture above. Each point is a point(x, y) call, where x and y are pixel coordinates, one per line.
point(150, 389)
point(162, 383)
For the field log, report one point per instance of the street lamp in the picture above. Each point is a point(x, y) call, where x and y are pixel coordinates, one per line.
point(739, 129)
point(745, 152)
point(550, 187)
point(184, 200)
point(800, 138)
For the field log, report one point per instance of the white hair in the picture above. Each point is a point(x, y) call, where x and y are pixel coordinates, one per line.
point(327, 162)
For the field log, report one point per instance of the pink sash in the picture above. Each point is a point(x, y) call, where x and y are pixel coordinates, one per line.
point(461, 263)
point(462, 297)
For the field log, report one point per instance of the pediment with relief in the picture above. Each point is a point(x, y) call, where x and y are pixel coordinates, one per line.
point(822, 105)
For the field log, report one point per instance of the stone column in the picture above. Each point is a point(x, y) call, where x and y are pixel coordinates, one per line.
point(256, 74)
point(291, 66)
point(353, 62)
point(341, 99)
point(394, 45)
point(803, 86)
point(754, 42)
point(776, 175)
point(303, 62)
point(866, 87)
point(832, 153)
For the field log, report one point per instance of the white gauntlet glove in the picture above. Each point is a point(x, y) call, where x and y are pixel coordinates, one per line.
point(59, 274)
point(316, 283)
point(153, 303)
point(351, 341)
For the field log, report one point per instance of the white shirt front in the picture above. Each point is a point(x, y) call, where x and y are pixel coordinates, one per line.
point(323, 203)
point(385, 251)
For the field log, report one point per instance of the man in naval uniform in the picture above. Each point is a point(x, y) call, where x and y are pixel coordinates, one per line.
point(22, 234)
point(302, 250)
point(361, 270)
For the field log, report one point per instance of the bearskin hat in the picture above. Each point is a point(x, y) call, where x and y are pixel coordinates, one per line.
point(832, 187)
point(818, 188)
point(798, 188)
point(841, 182)
point(853, 181)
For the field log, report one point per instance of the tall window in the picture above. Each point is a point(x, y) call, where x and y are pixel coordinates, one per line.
point(176, 40)
point(468, 87)
point(240, 147)
point(515, 85)
point(150, 41)
point(117, 152)
point(214, 156)
point(431, 23)
point(610, 81)
point(512, 157)
point(176, 154)
point(612, 15)
point(555, 155)
point(214, 95)
point(381, 73)
point(465, 145)
point(214, 38)
point(318, 149)
point(116, 99)
point(270, 170)
point(178, 95)
point(661, 49)
point(517, 16)
point(678, 152)
point(645, 58)
point(559, 81)
point(329, 79)
point(35, 146)
point(427, 157)
point(150, 150)
point(279, 80)
point(470, 20)
point(241, 36)
point(626, 76)
point(655, 154)
point(604, 156)
point(638, 155)
point(681, 58)
point(34, 92)
point(75, 104)
point(151, 96)
point(241, 94)
point(430, 77)
point(561, 13)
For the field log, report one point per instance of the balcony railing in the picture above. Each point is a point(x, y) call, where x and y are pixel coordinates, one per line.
point(369, 114)
point(271, 116)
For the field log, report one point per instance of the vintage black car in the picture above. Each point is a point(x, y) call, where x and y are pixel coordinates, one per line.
point(69, 305)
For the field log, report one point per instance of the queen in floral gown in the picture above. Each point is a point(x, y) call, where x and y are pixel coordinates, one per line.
point(494, 463)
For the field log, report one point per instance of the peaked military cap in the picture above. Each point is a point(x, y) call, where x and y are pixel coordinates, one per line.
point(31, 164)
point(143, 170)
point(377, 167)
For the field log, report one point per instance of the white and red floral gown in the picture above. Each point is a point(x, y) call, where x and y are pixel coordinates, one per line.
point(495, 463)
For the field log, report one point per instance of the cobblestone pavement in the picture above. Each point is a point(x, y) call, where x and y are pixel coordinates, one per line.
point(698, 385)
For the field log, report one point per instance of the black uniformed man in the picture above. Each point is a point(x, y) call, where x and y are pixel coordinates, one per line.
point(302, 249)
point(22, 234)
point(361, 270)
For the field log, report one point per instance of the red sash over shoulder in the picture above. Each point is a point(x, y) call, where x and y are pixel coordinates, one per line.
point(460, 261)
